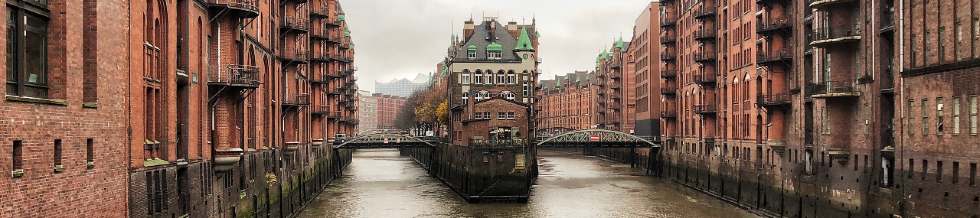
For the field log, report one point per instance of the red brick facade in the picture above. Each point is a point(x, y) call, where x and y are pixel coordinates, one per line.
point(567, 103)
point(387, 108)
point(64, 153)
point(220, 101)
point(645, 62)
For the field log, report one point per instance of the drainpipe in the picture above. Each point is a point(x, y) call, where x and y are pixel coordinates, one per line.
point(900, 87)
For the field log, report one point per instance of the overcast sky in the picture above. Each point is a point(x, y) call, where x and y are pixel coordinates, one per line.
point(401, 38)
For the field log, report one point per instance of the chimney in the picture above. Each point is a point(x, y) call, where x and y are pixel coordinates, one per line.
point(513, 29)
point(468, 28)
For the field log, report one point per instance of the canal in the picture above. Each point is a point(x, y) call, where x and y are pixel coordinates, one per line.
point(381, 183)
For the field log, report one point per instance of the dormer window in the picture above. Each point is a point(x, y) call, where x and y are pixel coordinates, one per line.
point(471, 52)
point(494, 51)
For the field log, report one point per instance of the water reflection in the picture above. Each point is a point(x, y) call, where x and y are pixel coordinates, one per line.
point(380, 183)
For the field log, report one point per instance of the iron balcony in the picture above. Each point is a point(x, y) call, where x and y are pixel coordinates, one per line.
point(705, 78)
point(828, 36)
point(296, 100)
point(774, 25)
point(242, 76)
point(294, 22)
point(704, 34)
point(668, 73)
point(781, 56)
point(294, 56)
point(706, 109)
point(668, 38)
point(828, 3)
point(668, 114)
point(705, 11)
point(668, 56)
point(320, 110)
point(704, 57)
point(321, 11)
point(668, 89)
point(775, 100)
point(668, 21)
point(242, 8)
point(835, 89)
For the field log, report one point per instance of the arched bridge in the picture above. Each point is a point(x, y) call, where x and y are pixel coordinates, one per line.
point(382, 139)
point(598, 138)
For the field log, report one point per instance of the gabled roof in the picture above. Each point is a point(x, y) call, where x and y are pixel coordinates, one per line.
point(481, 40)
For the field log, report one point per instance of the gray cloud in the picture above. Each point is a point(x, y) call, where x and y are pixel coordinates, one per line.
point(401, 38)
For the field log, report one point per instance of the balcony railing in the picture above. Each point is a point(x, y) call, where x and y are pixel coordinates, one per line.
point(668, 21)
point(296, 55)
point(300, 99)
point(320, 11)
point(834, 34)
point(292, 22)
point(706, 109)
point(771, 25)
point(668, 56)
point(828, 3)
point(668, 89)
point(705, 78)
point(235, 75)
point(784, 55)
point(668, 113)
point(705, 11)
point(668, 38)
point(704, 34)
point(244, 8)
point(668, 73)
point(888, 19)
point(320, 110)
point(832, 89)
point(704, 57)
point(774, 100)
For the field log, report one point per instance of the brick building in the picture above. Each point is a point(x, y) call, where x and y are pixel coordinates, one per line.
point(493, 73)
point(387, 109)
point(367, 110)
point(614, 73)
point(258, 88)
point(643, 51)
point(823, 108)
point(63, 127)
point(567, 102)
point(226, 107)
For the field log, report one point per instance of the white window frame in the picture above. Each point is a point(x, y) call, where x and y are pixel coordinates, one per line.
point(465, 78)
point(956, 116)
point(471, 54)
point(973, 115)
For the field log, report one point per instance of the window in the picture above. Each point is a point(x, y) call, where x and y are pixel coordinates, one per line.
point(510, 115)
point(27, 56)
point(911, 168)
point(90, 64)
point(466, 97)
point(939, 116)
point(939, 171)
point(501, 115)
point(466, 78)
point(493, 55)
point(511, 78)
point(956, 172)
point(57, 155)
point(925, 169)
point(508, 95)
point(956, 116)
point(824, 122)
point(471, 52)
point(925, 117)
point(478, 78)
point(500, 78)
point(973, 174)
point(908, 117)
point(973, 115)
point(90, 153)
point(18, 155)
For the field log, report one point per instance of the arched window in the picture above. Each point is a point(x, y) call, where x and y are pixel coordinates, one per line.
point(465, 77)
point(511, 77)
point(478, 77)
point(500, 77)
point(466, 97)
point(508, 95)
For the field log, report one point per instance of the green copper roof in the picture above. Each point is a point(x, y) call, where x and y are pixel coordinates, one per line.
point(494, 46)
point(524, 41)
point(620, 44)
point(471, 48)
point(341, 17)
point(346, 32)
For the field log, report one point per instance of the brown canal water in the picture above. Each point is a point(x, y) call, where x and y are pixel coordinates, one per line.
point(381, 183)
